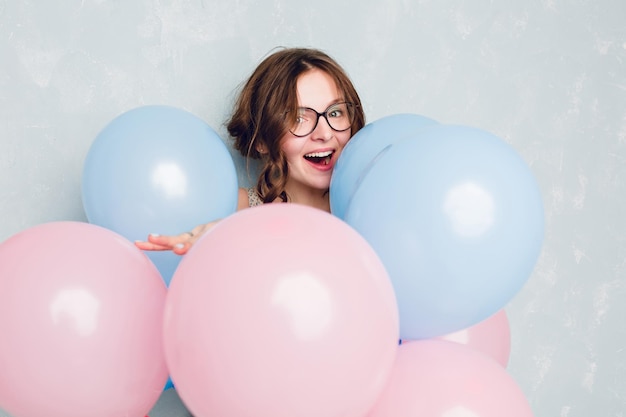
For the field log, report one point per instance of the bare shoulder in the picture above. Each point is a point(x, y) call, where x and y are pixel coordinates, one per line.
point(243, 201)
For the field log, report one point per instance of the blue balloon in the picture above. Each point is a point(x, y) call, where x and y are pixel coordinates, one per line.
point(456, 217)
point(362, 151)
point(158, 169)
point(169, 384)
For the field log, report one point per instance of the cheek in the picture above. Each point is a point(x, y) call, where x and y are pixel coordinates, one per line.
point(286, 145)
point(291, 149)
point(344, 137)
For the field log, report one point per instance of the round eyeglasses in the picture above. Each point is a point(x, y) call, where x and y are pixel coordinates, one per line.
point(339, 117)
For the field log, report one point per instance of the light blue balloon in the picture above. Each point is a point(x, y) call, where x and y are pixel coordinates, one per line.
point(362, 151)
point(456, 217)
point(158, 169)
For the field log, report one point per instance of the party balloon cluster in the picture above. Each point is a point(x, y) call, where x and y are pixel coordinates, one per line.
point(456, 217)
point(281, 310)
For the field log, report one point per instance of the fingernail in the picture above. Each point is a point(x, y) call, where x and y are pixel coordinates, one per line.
point(179, 245)
point(155, 234)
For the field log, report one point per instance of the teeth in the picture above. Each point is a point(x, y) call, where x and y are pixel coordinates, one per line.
point(319, 154)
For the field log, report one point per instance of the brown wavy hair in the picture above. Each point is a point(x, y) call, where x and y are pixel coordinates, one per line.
point(258, 121)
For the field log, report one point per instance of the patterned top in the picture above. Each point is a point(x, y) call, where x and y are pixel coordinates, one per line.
point(253, 198)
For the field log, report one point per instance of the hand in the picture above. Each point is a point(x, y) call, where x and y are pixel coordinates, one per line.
point(179, 244)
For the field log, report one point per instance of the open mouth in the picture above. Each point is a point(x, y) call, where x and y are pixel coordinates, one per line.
point(319, 158)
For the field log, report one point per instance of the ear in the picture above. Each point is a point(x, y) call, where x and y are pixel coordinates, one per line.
point(261, 148)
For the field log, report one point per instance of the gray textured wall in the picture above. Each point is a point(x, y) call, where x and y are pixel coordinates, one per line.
point(548, 76)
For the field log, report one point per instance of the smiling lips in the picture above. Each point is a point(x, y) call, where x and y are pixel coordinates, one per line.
point(320, 160)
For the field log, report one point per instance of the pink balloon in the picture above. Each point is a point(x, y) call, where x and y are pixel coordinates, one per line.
point(437, 378)
point(280, 310)
point(81, 322)
point(491, 336)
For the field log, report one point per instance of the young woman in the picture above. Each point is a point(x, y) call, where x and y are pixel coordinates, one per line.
point(295, 113)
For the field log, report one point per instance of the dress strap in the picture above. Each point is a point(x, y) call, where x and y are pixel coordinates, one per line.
point(253, 198)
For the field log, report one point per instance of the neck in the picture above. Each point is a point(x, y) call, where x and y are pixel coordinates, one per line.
point(311, 197)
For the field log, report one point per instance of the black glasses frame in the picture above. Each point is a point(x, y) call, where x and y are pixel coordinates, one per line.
point(324, 114)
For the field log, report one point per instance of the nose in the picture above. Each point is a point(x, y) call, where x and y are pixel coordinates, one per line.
point(322, 131)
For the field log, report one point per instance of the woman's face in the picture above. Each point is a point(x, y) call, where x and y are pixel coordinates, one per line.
point(311, 158)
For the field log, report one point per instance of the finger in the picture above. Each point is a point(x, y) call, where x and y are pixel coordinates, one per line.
point(198, 230)
point(181, 248)
point(151, 246)
point(168, 241)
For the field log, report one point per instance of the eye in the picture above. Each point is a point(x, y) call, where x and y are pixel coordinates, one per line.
point(336, 112)
point(302, 116)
